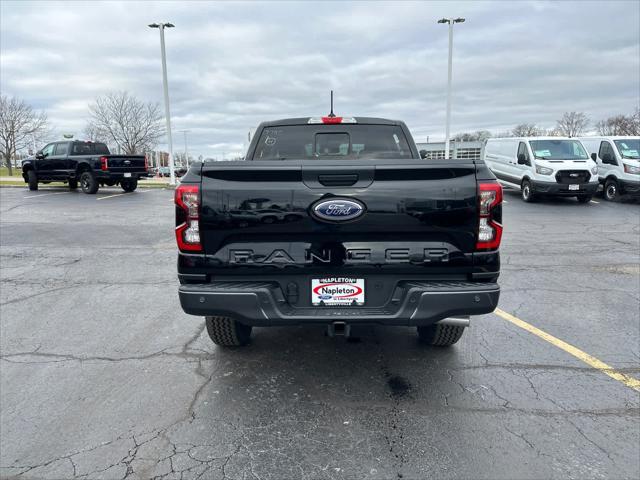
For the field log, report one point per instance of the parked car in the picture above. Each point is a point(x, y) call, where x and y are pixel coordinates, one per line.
point(89, 164)
point(356, 256)
point(618, 160)
point(543, 166)
point(166, 171)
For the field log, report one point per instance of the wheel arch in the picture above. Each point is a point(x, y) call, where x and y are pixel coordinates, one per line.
point(26, 167)
point(83, 167)
point(611, 176)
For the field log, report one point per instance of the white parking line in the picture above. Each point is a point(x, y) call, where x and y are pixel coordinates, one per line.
point(593, 201)
point(120, 194)
point(45, 194)
point(504, 201)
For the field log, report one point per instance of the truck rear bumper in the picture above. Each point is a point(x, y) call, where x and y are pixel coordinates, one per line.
point(416, 303)
point(120, 175)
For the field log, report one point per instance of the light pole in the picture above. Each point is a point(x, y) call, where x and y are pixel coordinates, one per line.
point(450, 21)
point(186, 148)
point(167, 113)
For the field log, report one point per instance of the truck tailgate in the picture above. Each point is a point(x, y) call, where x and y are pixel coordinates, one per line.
point(126, 163)
point(418, 215)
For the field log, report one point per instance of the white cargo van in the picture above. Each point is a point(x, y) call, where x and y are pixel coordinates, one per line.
point(543, 166)
point(618, 164)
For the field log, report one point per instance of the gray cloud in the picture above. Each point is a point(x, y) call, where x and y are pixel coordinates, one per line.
point(232, 65)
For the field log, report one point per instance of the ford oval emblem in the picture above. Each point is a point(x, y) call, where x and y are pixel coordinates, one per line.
point(338, 209)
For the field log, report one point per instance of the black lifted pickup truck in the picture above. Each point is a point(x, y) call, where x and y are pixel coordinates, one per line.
point(338, 221)
point(88, 163)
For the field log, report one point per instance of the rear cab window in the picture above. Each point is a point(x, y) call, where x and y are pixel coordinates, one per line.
point(89, 148)
point(332, 142)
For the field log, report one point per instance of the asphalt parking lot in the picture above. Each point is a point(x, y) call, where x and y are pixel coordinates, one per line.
point(103, 376)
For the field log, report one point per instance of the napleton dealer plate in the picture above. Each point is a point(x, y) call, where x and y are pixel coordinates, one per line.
point(337, 291)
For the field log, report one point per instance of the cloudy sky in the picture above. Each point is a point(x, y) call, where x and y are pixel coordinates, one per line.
point(234, 64)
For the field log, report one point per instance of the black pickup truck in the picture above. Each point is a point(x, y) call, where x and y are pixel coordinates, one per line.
point(367, 233)
point(88, 163)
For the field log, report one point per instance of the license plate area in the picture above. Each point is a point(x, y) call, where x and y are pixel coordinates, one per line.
point(127, 175)
point(337, 291)
point(574, 187)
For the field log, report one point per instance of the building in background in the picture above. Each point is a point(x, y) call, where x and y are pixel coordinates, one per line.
point(461, 150)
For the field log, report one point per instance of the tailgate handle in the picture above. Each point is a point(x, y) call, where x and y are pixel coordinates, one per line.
point(337, 180)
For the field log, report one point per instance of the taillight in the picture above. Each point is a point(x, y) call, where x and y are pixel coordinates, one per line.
point(490, 216)
point(146, 163)
point(187, 199)
point(104, 165)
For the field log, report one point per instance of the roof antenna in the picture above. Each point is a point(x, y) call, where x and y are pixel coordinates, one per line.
point(331, 115)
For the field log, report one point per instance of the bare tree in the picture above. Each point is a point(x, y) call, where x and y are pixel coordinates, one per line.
point(20, 127)
point(120, 119)
point(478, 135)
point(94, 134)
point(526, 130)
point(572, 124)
point(620, 124)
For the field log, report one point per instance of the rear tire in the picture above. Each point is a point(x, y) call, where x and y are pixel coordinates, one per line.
point(227, 332)
point(584, 198)
point(527, 192)
point(73, 184)
point(611, 190)
point(440, 335)
point(32, 180)
point(129, 185)
point(88, 183)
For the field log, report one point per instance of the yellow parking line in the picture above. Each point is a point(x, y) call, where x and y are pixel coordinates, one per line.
point(576, 352)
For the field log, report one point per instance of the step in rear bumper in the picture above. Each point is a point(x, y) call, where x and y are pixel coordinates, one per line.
point(262, 304)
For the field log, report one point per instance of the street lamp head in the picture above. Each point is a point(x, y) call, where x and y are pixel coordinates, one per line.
point(171, 25)
point(444, 20)
point(459, 20)
point(154, 25)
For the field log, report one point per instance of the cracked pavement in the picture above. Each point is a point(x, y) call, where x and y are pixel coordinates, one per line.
point(103, 376)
